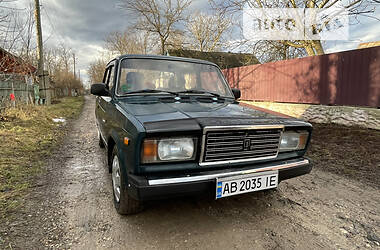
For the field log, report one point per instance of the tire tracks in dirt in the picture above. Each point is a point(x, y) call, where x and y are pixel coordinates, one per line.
point(319, 210)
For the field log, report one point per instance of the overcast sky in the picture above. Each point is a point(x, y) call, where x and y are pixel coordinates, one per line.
point(83, 25)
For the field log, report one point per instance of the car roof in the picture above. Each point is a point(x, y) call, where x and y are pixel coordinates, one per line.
point(160, 57)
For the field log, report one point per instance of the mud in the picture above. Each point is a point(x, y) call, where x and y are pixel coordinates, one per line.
point(72, 207)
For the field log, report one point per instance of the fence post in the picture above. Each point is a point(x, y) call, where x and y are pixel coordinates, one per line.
point(36, 94)
point(27, 94)
point(13, 92)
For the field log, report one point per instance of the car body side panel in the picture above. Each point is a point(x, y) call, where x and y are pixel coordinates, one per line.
point(101, 114)
point(134, 130)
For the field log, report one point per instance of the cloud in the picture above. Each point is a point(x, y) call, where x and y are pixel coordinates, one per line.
point(362, 29)
point(85, 20)
point(83, 25)
point(365, 29)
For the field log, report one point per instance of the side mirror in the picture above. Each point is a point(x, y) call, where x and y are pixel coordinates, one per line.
point(99, 89)
point(236, 93)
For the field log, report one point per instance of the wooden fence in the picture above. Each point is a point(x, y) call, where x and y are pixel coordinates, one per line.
point(345, 78)
point(24, 92)
point(18, 86)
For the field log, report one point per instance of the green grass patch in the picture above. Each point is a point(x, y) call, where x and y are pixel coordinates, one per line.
point(29, 135)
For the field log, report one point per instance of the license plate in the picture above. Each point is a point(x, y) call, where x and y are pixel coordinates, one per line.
point(240, 184)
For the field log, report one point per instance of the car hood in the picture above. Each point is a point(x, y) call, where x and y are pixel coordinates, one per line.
point(204, 113)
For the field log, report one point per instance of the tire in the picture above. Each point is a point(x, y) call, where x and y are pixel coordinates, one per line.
point(101, 143)
point(123, 203)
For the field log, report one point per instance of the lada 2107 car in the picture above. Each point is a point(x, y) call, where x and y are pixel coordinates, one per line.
point(173, 127)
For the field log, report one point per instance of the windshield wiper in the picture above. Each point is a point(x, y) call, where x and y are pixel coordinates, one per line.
point(152, 91)
point(195, 91)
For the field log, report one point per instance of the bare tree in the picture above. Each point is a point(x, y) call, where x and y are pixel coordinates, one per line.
point(14, 25)
point(17, 43)
point(159, 17)
point(11, 33)
point(96, 70)
point(5, 14)
point(312, 47)
point(59, 62)
point(28, 36)
point(206, 31)
point(65, 56)
point(128, 42)
point(177, 40)
point(269, 51)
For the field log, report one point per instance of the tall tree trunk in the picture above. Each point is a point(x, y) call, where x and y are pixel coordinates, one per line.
point(162, 46)
point(309, 50)
point(318, 47)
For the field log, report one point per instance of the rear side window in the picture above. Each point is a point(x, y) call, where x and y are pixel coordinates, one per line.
point(105, 77)
point(111, 77)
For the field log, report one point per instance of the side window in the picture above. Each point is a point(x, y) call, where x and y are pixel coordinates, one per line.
point(105, 77)
point(108, 77)
point(111, 77)
point(211, 82)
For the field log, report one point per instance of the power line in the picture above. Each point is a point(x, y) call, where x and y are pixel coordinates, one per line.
point(50, 35)
point(52, 26)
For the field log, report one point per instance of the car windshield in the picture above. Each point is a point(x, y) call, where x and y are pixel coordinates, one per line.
point(170, 76)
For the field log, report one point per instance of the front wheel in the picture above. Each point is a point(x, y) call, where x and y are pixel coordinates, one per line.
point(123, 203)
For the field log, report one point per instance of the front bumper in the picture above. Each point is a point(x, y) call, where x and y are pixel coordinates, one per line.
point(197, 184)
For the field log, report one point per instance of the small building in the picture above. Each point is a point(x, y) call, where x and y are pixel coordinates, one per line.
point(11, 64)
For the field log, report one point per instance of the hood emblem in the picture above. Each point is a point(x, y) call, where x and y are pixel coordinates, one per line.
point(247, 144)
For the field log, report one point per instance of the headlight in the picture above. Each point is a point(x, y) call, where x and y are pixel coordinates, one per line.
point(293, 140)
point(168, 149)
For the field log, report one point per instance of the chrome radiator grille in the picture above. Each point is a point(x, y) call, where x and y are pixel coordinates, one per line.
point(240, 145)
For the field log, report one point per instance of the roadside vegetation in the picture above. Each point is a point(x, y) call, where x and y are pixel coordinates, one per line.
point(28, 136)
point(348, 151)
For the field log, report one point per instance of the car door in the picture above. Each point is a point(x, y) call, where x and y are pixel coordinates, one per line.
point(101, 105)
point(105, 102)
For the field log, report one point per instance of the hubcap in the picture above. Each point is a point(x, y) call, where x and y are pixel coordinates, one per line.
point(116, 178)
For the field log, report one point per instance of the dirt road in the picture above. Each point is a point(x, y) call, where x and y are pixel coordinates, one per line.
point(71, 207)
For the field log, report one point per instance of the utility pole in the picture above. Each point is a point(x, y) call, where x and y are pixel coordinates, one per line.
point(41, 74)
point(74, 65)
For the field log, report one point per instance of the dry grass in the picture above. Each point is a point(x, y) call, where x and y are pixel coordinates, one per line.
point(348, 151)
point(28, 135)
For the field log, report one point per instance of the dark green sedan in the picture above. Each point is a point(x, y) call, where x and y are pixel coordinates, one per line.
point(173, 127)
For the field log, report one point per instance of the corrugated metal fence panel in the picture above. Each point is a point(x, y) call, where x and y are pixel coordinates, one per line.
point(374, 86)
point(344, 78)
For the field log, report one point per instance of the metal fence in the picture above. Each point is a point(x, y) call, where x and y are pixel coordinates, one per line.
point(345, 78)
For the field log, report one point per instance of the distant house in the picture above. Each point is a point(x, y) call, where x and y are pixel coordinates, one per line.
point(223, 59)
point(11, 64)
